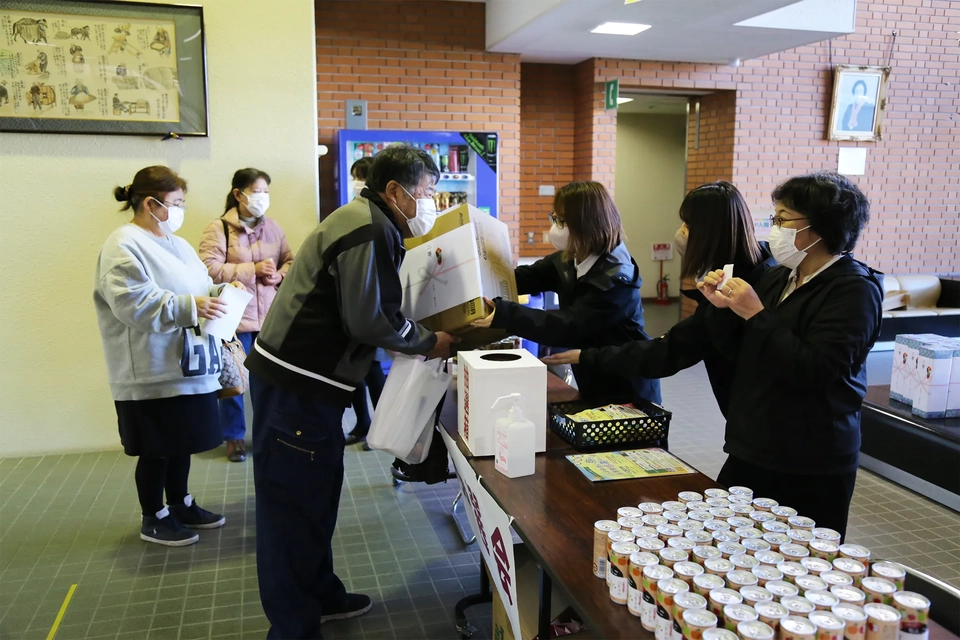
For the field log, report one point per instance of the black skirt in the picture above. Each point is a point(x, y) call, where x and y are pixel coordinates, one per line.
point(165, 427)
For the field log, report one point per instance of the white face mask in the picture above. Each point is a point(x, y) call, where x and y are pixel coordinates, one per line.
point(420, 224)
point(358, 186)
point(559, 238)
point(257, 203)
point(783, 246)
point(174, 219)
point(680, 242)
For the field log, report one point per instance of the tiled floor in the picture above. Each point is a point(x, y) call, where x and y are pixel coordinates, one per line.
point(73, 519)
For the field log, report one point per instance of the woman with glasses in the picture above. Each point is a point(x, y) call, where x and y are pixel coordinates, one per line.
point(246, 246)
point(151, 291)
point(598, 286)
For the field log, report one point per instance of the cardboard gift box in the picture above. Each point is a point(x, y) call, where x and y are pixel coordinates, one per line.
point(446, 274)
point(934, 365)
point(485, 376)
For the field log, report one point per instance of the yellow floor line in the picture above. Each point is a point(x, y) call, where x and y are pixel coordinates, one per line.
point(63, 610)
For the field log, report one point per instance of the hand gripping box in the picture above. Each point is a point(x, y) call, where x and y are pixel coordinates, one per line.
point(488, 375)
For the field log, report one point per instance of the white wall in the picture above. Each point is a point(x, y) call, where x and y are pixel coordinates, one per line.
point(651, 181)
point(57, 209)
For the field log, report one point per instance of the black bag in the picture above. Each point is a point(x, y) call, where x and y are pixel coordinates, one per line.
point(434, 469)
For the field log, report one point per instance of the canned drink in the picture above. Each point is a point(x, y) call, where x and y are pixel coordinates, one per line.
point(854, 619)
point(707, 582)
point(629, 523)
point(699, 505)
point(653, 520)
point(741, 500)
point(878, 589)
point(638, 561)
point(837, 578)
point(722, 513)
point(689, 496)
point(615, 537)
point(644, 532)
point(681, 543)
point(619, 569)
point(762, 516)
point(739, 579)
point(719, 634)
point(629, 512)
point(718, 502)
point(749, 533)
point(687, 571)
point(854, 568)
point(667, 531)
point(718, 566)
point(801, 522)
point(783, 513)
point(744, 561)
point(650, 508)
point(791, 570)
point(914, 614)
point(797, 628)
point(670, 557)
point(816, 566)
point(734, 614)
point(743, 492)
point(801, 537)
point(772, 558)
point(775, 526)
point(793, 551)
point(765, 504)
point(600, 530)
point(766, 573)
point(717, 525)
point(652, 575)
point(798, 605)
point(823, 599)
point(699, 537)
point(741, 508)
point(716, 493)
point(730, 549)
point(849, 594)
point(674, 505)
point(667, 590)
point(754, 595)
point(720, 598)
point(776, 539)
point(699, 516)
point(651, 544)
point(824, 533)
point(703, 553)
point(856, 552)
point(883, 621)
point(695, 624)
point(811, 583)
point(892, 572)
point(682, 603)
point(737, 522)
point(782, 589)
point(824, 549)
point(690, 525)
point(755, 545)
point(725, 535)
point(771, 613)
point(755, 630)
point(675, 516)
point(829, 625)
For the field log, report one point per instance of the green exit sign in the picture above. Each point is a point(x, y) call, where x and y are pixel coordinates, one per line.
point(612, 93)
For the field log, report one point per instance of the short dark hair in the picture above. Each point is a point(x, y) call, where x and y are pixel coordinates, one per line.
point(149, 182)
point(593, 218)
point(402, 163)
point(720, 229)
point(835, 208)
point(361, 168)
point(859, 83)
point(241, 180)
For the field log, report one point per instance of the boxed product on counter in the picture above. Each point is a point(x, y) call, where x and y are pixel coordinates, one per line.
point(446, 274)
point(926, 374)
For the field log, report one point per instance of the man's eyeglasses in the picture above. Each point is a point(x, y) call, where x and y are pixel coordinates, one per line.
point(778, 220)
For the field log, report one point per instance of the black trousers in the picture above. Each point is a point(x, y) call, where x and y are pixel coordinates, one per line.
point(826, 499)
point(153, 475)
point(298, 474)
point(374, 382)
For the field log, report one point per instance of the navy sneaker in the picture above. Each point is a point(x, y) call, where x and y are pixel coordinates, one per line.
point(193, 517)
point(166, 531)
point(353, 605)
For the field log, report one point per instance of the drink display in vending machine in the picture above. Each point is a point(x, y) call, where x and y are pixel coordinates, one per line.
point(467, 162)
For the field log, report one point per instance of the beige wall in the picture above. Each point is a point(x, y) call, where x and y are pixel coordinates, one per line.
point(57, 208)
point(651, 170)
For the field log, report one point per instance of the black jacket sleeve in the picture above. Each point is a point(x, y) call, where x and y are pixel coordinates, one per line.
point(538, 277)
point(563, 328)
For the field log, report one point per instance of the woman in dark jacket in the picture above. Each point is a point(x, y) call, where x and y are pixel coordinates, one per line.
point(716, 229)
point(598, 285)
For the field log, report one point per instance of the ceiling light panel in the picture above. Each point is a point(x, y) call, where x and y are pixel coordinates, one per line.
point(620, 28)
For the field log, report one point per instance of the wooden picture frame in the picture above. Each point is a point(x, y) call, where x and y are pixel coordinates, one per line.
point(102, 67)
point(859, 102)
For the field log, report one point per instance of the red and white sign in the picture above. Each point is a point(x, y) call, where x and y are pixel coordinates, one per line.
point(662, 251)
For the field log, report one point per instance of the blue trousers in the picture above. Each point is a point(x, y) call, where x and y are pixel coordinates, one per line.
point(297, 474)
point(233, 424)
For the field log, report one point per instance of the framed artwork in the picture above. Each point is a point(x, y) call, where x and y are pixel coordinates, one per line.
point(92, 66)
point(859, 100)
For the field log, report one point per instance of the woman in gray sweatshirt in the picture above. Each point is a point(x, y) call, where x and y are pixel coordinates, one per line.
point(150, 292)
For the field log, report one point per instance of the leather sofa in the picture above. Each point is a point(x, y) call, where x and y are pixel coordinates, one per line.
point(920, 304)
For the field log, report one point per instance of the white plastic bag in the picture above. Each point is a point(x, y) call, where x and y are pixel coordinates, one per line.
point(403, 420)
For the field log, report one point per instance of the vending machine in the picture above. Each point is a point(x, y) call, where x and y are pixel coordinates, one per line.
point(467, 162)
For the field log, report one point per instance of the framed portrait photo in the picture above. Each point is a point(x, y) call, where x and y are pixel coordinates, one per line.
point(103, 67)
point(859, 100)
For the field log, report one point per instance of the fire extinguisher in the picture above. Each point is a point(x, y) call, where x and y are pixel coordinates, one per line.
point(663, 290)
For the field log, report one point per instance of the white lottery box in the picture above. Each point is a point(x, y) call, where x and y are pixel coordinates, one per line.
point(486, 376)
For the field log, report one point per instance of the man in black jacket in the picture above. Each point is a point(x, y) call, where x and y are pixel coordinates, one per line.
point(339, 302)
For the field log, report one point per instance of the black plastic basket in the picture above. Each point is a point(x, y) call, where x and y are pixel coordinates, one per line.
point(611, 434)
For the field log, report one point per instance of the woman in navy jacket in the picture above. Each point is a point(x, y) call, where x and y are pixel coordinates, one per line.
point(598, 286)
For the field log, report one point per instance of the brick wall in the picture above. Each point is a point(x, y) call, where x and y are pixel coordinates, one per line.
point(420, 65)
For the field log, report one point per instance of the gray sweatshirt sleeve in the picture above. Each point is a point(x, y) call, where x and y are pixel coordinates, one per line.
point(370, 294)
point(138, 302)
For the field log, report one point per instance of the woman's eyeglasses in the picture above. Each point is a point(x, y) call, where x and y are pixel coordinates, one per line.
point(778, 220)
point(560, 224)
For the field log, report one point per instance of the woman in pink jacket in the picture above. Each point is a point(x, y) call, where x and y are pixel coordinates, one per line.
point(245, 246)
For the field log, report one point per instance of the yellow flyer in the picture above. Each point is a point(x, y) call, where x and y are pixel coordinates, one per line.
point(625, 465)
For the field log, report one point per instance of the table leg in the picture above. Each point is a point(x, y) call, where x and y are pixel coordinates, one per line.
point(453, 514)
point(546, 595)
point(465, 628)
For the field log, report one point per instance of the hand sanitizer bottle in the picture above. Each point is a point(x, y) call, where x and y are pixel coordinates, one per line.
point(516, 455)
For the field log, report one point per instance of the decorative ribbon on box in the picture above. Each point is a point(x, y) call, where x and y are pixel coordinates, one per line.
point(441, 274)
